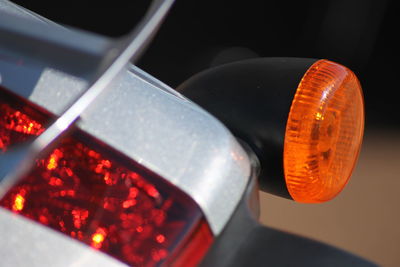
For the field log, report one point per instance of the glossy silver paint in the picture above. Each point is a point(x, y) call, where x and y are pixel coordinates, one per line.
point(140, 117)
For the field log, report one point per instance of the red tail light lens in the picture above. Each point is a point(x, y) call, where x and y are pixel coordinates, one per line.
point(93, 194)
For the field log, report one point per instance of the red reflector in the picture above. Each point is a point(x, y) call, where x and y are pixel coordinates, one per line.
point(194, 249)
point(93, 194)
point(15, 125)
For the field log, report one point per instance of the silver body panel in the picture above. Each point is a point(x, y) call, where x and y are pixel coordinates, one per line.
point(140, 117)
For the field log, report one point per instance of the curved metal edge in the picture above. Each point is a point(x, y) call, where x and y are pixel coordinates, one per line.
point(142, 118)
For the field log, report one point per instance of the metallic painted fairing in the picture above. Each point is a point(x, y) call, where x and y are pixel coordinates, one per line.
point(142, 118)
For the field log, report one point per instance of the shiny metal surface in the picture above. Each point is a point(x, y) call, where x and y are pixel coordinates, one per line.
point(170, 136)
point(31, 244)
point(152, 124)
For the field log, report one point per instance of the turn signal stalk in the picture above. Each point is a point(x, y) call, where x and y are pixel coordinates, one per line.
point(304, 119)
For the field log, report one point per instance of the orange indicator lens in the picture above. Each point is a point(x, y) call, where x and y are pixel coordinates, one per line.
point(323, 133)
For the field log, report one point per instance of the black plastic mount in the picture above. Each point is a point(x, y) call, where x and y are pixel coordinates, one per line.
point(253, 98)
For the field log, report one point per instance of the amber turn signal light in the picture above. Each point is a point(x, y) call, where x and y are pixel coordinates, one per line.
point(303, 118)
point(323, 133)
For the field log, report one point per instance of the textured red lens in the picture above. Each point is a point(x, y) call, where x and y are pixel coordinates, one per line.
point(15, 125)
point(91, 193)
point(194, 248)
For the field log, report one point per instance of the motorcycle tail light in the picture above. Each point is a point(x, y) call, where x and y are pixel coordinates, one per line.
point(93, 194)
point(323, 133)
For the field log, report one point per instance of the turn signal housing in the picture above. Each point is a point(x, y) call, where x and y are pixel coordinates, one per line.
point(303, 118)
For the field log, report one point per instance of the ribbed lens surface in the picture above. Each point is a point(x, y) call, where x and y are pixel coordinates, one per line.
point(93, 194)
point(323, 133)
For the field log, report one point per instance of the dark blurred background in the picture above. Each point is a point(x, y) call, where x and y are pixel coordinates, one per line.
point(361, 34)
